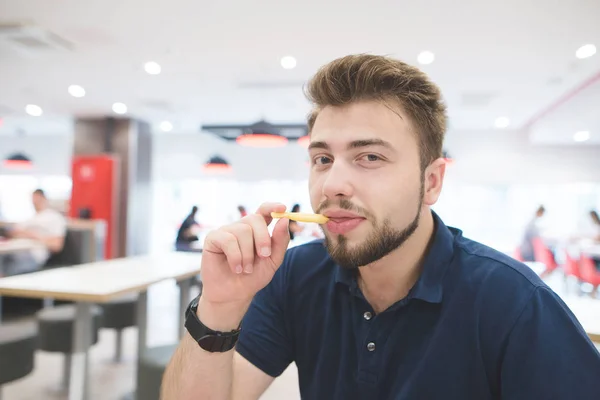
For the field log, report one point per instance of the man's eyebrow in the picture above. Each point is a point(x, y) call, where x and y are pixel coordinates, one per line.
point(355, 144)
point(369, 142)
point(318, 145)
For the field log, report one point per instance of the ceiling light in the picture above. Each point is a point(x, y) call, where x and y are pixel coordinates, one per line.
point(153, 68)
point(217, 164)
point(76, 91)
point(304, 141)
point(288, 62)
point(585, 51)
point(119, 108)
point(581, 136)
point(33, 110)
point(166, 126)
point(425, 57)
point(18, 161)
point(501, 122)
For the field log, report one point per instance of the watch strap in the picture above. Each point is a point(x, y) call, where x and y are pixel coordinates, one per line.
point(208, 339)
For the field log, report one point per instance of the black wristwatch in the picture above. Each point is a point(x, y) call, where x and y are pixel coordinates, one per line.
point(209, 340)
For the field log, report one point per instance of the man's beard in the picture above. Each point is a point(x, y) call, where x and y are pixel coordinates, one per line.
point(383, 240)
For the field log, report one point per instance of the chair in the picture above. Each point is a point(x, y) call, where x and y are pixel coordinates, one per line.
point(119, 314)
point(78, 249)
point(517, 255)
point(543, 255)
point(589, 273)
point(571, 267)
point(55, 325)
point(18, 342)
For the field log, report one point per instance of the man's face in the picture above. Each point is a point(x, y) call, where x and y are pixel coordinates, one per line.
point(38, 201)
point(366, 176)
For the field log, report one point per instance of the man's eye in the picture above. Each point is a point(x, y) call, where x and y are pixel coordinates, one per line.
point(371, 157)
point(322, 160)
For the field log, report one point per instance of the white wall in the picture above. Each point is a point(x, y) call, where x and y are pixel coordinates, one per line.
point(507, 157)
point(181, 156)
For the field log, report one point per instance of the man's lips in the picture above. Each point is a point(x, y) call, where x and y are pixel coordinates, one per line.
point(340, 214)
point(342, 221)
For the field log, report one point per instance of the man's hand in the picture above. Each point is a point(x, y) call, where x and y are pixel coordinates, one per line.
point(238, 260)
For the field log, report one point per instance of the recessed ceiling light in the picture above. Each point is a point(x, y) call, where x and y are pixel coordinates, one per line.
point(166, 126)
point(581, 136)
point(153, 68)
point(501, 122)
point(585, 51)
point(76, 91)
point(425, 57)
point(119, 108)
point(288, 62)
point(33, 110)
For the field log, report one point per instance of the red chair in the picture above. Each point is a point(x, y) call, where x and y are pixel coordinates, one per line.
point(588, 270)
point(517, 254)
point(571, 267)
point(542, 254)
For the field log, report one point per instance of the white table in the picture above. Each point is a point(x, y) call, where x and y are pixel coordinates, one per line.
point(100, 282)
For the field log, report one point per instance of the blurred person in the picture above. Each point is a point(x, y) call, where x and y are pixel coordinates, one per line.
point(242, 211)
point(393, 304)
point(595, 234)
point(532, 231)
point(293, 226)
point(186, 235)
point(47, 227)
point(595, 226)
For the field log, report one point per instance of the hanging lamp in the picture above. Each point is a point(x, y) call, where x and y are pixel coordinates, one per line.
point(304, 141)
point(262, 135)
point(217, 164)
point(18, 161)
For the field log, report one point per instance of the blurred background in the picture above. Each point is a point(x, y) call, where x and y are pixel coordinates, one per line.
point(131, 112)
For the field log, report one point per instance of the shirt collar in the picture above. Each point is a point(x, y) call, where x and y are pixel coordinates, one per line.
point(429, 286)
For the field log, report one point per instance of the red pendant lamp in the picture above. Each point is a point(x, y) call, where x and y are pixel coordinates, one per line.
point(217, 165)
point(18, 161)
point(262, 135)
point(304, 141)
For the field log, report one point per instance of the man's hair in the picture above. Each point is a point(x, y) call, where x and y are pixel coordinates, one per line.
point(366, 77)
point(541, 209)
point(40, 192)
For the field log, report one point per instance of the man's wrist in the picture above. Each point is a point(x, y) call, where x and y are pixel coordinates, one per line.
point(223, 317)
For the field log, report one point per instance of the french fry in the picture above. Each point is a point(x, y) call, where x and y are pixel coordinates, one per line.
point(302, 217)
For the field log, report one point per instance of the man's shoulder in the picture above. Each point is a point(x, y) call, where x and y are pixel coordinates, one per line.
point(496, 284)
point(484, 263)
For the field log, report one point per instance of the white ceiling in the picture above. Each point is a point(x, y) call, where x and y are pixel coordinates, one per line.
point(511, 58)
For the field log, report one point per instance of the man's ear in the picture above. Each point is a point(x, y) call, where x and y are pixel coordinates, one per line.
point(434, 179)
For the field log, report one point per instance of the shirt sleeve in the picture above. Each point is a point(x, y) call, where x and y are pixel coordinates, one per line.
point(57, 226)
point(265, 340)
point(548, 354)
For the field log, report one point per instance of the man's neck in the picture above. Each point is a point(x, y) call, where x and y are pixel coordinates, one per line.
point(389, 279)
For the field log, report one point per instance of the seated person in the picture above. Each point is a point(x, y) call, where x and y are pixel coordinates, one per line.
point(47, 227)
point(185, 234)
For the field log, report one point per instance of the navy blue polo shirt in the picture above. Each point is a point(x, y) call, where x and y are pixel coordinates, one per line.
point(476, 325)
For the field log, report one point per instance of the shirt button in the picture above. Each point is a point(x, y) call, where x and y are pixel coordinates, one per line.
point(371, 346)
point(367, 315)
